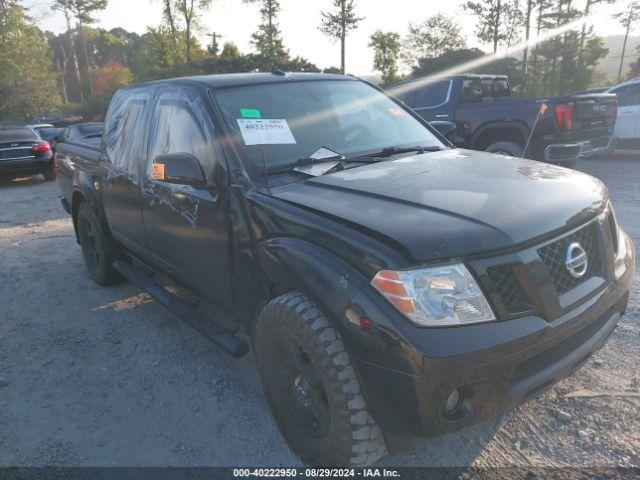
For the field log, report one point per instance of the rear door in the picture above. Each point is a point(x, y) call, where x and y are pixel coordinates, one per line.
point(124, 144)
point(187, 227)
point(628, 122)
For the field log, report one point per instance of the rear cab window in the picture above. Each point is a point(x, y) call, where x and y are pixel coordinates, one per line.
point(485, 90)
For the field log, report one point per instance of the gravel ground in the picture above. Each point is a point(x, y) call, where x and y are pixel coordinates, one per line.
point(93, 376)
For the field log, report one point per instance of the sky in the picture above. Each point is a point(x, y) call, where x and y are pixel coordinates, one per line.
point(299, 20)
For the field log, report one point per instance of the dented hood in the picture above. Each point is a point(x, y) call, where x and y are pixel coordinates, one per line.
point(454, 202)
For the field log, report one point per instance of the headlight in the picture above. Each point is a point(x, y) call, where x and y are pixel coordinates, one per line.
point(435, 296)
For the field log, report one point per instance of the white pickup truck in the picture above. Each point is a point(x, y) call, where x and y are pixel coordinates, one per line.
point(627, 127)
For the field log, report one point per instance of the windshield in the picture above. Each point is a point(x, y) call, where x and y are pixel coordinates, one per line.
point(90, 129)
point(286, 122)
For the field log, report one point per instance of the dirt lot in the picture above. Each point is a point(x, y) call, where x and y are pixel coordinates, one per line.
point(93, 376)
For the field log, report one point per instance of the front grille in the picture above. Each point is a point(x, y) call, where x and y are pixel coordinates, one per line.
point(554, 258)
point(508, 288)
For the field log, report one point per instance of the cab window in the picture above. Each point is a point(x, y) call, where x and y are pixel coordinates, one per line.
point(181, 124)
point(629, 95)
point(433, 95)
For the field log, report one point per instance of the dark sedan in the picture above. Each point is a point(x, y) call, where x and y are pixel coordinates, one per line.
point(23, 152)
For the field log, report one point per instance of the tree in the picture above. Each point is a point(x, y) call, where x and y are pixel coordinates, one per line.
point(268, 39)
point(190, 11)
point(629, 20)
point(61, 6)
point(27, 86)
point(339, 22)
point(230, 51)
point(634, 68)
point(432, 38)
point(110, 76)
point(498, 20)
point(386, 50)
point(83, 11)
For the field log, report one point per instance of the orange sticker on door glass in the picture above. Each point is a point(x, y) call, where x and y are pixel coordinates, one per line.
point(158, 171)
point(396, 112)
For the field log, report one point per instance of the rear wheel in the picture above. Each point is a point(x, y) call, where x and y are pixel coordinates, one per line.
point(97, 257)
point(312, 387)
point(510, 149)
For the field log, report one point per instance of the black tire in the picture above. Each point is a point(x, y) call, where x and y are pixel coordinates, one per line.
point(317, 402)
point(49, 174)
point(505, 148)
point(97, 257)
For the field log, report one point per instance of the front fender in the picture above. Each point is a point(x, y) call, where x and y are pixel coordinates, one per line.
point(341, 293)
point(289, 263)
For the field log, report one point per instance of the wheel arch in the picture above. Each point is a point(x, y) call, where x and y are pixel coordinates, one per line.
point(515, 132)
point(85, 190)
point(291, 264)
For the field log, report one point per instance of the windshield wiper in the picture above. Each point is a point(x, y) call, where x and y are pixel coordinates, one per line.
point(306, 165)
point(388, 151)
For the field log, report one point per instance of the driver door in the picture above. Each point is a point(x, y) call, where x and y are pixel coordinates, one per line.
point(187, 227)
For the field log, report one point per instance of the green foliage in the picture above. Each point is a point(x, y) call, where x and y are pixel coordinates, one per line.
point(432, 38)
point(634, 69)
point(386, 50)
point(27, 86)
point(268, 39)
point(339, 22)
point(498, 20)
point(190, 10)
point(230, 51)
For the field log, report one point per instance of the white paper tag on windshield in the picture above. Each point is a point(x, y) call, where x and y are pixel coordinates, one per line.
point(265, 131)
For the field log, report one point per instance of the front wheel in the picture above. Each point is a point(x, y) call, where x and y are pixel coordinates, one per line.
point(312, 387)
point(97, 256)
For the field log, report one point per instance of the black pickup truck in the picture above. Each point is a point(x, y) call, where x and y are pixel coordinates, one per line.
point(391, 285)
point(488, 119)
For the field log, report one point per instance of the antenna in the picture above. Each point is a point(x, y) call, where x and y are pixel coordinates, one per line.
point(543, 108)
point(265, 170)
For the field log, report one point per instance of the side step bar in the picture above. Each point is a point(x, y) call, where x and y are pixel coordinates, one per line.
point(207, 327)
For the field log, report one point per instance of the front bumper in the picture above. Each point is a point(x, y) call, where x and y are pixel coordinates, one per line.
point(494, 366)
point(567, 152)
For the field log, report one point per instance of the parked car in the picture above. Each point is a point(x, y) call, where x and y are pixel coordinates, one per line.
point(488, 119)
point(23, 152)
point(49, 135)
point(390, 284)
point(627, 127)
point(80, 130)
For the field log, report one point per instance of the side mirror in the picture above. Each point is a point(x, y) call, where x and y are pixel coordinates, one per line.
point(444, 128)
point(179, 168)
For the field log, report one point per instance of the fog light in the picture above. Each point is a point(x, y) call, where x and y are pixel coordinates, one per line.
point(452, 402)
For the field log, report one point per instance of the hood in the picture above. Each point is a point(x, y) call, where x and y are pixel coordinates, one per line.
point(454, 202)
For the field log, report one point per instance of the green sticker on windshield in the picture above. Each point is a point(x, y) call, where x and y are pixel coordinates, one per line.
point(250, 113)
